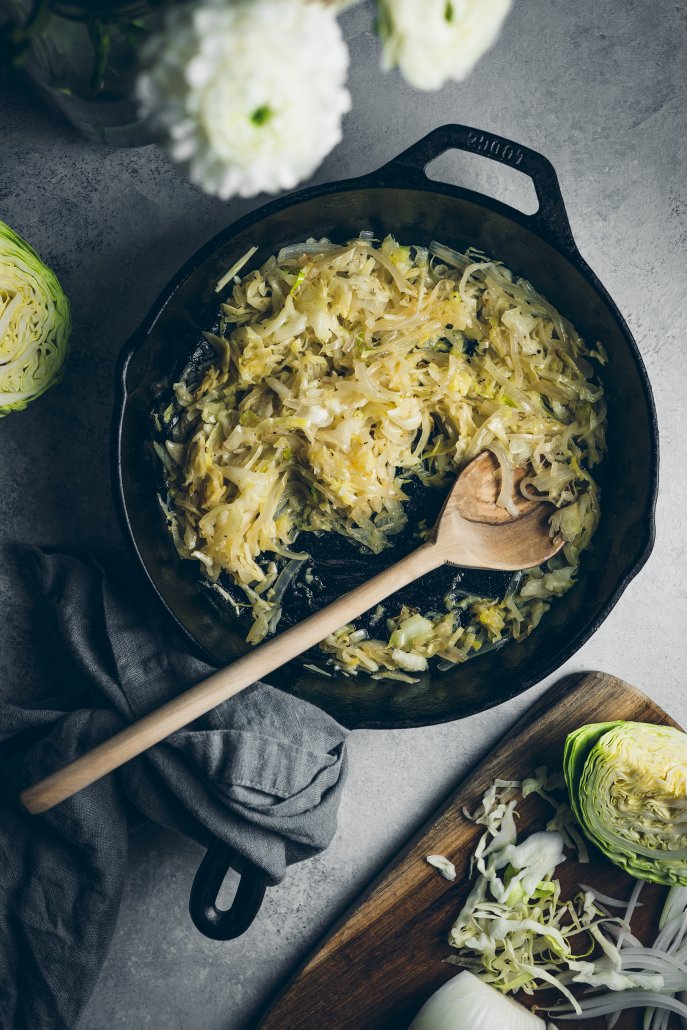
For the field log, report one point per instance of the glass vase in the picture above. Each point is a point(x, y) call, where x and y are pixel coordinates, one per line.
point(85, 56)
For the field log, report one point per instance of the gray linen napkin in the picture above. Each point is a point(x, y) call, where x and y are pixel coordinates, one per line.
point(263, 772)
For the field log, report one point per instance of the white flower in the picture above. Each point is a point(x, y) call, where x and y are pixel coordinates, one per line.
point(435, 40)
point(247, 94)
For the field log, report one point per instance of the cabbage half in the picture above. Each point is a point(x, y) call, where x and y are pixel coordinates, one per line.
point(628, 790)
point(35, 322)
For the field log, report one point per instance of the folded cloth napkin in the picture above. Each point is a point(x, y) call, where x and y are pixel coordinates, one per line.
point(263, 772)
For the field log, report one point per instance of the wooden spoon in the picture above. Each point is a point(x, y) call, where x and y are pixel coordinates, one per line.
point(478, 489)
point(517, 544)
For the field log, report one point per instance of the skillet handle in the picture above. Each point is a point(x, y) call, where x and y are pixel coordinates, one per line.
point(219, 924)
point(550, 220)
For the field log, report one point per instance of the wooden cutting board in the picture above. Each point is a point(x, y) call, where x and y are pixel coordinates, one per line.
point(387, 955)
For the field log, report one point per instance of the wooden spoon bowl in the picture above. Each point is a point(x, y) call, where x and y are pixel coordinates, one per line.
point(479, 487)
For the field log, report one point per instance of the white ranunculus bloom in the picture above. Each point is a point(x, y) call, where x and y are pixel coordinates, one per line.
point(432, 41)
point(248, 94)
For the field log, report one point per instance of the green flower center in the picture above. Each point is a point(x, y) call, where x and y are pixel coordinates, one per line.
point(261, 114)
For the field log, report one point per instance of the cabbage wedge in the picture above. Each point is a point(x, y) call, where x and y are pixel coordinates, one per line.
point(35, 323)
point(628, 789)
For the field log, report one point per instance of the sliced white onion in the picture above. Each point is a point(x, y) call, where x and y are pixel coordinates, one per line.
point(603, 1004)
point(683, 998)
point(605, 899)
point(675, 904)
point(629, 912)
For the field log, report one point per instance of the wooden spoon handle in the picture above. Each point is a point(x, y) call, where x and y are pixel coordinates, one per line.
point(227, 682)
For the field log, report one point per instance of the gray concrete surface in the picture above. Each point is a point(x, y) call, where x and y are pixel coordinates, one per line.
point(600, 89)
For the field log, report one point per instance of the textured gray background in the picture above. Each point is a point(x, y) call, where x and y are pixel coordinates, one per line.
point(599, 87)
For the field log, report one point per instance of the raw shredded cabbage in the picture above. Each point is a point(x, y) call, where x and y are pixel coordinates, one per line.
point(517, 933)
point(343, 372)
point(514, 929)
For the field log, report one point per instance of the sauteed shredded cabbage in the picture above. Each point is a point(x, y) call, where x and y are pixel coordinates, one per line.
point(343, 372)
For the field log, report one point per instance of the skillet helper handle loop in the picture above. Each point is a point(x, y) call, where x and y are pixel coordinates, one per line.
point(551, 219)
point(225, 924)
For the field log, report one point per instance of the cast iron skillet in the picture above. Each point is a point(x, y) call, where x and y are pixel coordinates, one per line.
point(400, 199)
